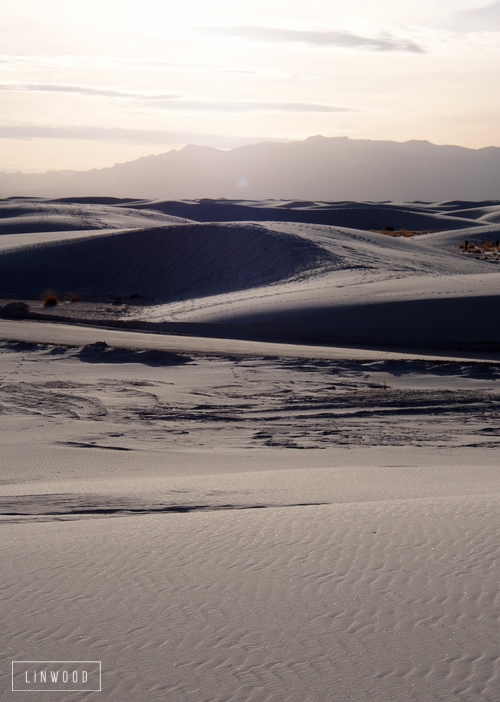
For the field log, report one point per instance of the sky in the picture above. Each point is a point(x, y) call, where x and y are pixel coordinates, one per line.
point(89, 84)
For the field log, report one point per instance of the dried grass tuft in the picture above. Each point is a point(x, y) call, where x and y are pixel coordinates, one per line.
point(50, 298)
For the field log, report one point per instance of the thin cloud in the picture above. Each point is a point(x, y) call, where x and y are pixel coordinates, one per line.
point(15, 61)
point(251, 106)
point(81, 90)
point(479, 18)
point(86, 133)
point(339, 39)
point(121, 135)
point(179, 102)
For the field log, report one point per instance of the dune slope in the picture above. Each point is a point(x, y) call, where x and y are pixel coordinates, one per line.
point(292, 274)
point(164, 263)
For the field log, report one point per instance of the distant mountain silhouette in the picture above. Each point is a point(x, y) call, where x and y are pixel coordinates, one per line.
point(319, 168)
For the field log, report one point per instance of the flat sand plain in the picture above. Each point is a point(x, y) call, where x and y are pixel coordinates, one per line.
point(235, 515)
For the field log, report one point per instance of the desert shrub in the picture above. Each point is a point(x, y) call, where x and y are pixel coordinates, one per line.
point(74, 298)
point(469, 247)
point(50, 298)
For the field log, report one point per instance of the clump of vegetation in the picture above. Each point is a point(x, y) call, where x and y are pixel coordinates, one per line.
point(74, 298)
point(390, 231)
point(50, 299)
point(469, 247)
point(403, 232)
point(487, 247)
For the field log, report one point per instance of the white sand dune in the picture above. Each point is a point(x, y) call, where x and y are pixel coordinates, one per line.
point(485, 213)
point(20, 216)
point(162, 262)
point(42, 221)
point(287, 280)
point(358, 215)
point(220, 514)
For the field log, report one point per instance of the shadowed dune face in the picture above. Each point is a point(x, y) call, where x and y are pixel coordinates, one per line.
point(100, 352)
point(491, 217)
point(433, 322)
point(29, 223)
point(170, 263)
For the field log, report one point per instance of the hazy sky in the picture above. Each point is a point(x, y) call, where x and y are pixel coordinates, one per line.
point(88, 83)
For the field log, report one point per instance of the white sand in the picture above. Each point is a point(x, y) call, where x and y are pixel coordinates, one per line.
point(365, 601)
point(220, 519)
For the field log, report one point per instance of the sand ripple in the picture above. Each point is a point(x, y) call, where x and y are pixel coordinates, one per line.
point(368, 601)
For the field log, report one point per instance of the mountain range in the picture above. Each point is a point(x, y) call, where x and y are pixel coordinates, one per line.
point(318, 168)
